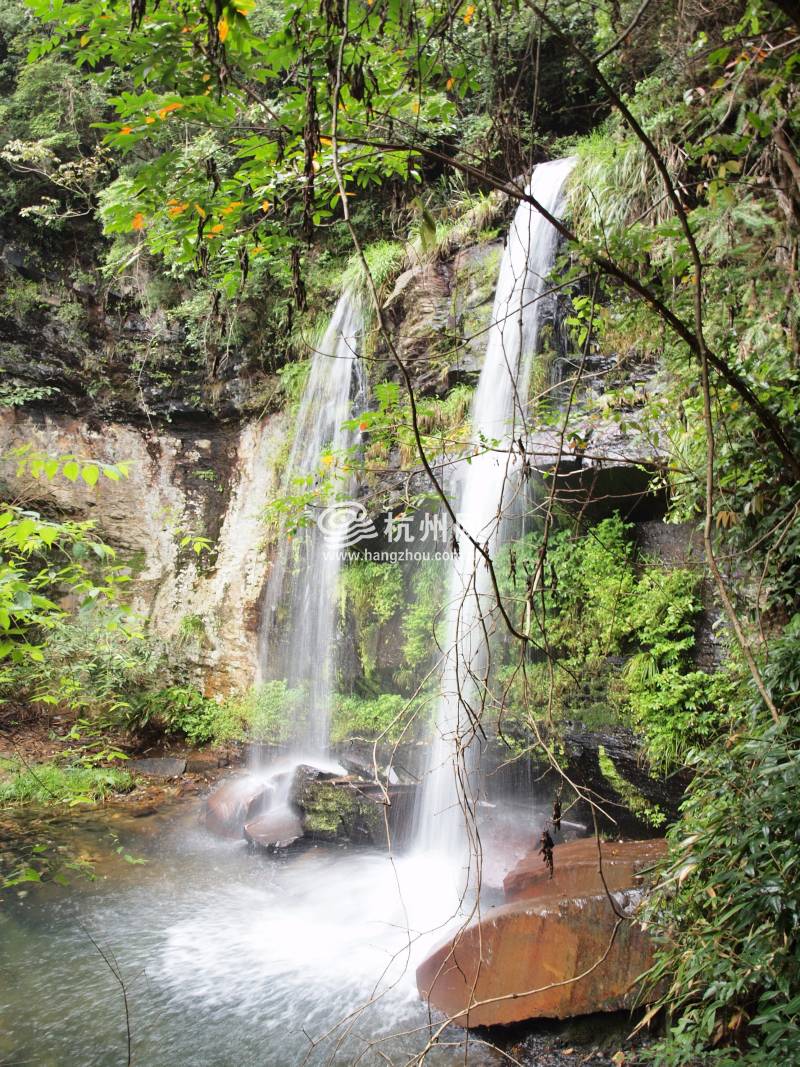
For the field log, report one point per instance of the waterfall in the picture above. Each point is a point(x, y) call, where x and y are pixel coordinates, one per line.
point(487, 492)
point(300, 599)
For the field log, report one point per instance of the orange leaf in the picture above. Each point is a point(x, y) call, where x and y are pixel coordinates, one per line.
point(450, 83)
point(176, 209)
point(164, 111)
point(468, 14)
point(217, 229)
point(200, 211)
point(149, 120)
point(265, 205)
point(222, 29)
point(138, 222)
point(125, 131)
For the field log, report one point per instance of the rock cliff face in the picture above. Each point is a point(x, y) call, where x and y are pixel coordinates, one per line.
point(212, 482)
point(110, 383)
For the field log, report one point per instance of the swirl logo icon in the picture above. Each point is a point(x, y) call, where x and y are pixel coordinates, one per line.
point(345, 524)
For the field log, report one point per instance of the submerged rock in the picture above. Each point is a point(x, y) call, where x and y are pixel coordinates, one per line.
point(557, 949)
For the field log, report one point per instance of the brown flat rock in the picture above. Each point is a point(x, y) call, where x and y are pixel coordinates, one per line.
point(576, 871)
point(274, 829)
point(523, 960)
point(235, 802)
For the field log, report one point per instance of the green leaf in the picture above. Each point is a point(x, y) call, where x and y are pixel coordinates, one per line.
point(90, 474)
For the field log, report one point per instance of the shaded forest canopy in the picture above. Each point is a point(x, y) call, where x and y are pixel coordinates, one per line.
point(220, 171)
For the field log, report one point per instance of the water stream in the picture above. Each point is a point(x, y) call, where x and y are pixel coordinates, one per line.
point(299, 603)
point(487, 494)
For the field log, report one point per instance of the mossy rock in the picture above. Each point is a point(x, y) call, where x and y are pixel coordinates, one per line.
point(333, 810)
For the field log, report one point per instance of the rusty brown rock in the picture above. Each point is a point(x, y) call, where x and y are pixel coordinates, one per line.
point(237, 801)
point(576, 872)
point(547, 958)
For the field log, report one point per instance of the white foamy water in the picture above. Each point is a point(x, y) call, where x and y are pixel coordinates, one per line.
point(230, 959)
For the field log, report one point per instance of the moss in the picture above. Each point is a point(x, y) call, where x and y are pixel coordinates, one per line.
point(628, 793)
point(333, 813)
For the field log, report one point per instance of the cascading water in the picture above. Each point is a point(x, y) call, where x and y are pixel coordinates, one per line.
point(299, 605)
point(486, 491)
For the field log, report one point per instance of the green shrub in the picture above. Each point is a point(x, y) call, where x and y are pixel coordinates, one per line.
point(200, 720)
point(383, 716)
point(727, 909)
point(603, 605)
point(370, 594)
point(423, 620)
point(271, 713)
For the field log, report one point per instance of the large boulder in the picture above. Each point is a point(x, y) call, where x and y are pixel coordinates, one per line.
point(336, 809)
point(549, 958)
point(303, 802)
point(559, 947)
point(576, 869)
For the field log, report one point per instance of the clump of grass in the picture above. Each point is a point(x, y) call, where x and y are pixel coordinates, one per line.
point(49, 783)
point(385, 260)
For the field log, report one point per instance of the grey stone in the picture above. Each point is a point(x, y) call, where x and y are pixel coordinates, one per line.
point(158, 767)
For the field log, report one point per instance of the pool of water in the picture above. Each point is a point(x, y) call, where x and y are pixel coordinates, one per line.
point(228, 957)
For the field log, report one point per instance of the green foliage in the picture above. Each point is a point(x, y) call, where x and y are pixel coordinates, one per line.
point(40, 560)
point(372, 590)
point(714, 118)
point(385, 716)
point(50, 783)
point(630, 795)
point(271, 713)
point(370, 594)
point(15, 394)
point(727, 907)
point(423, 620)
point(384, 260)
point(601, 604)
point(293, 378)
point(200, 720)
